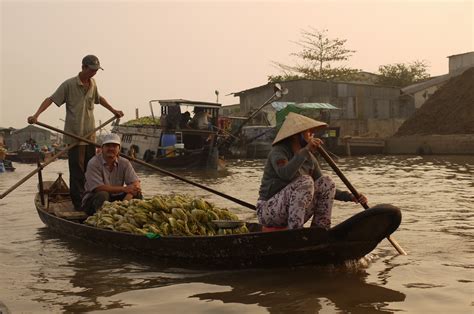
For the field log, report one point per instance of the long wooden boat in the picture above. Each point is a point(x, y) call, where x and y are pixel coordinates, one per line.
point(350, 240)
point(28, 156)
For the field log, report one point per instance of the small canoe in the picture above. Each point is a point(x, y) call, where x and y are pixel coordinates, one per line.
point(352, 239)
point(8, 165)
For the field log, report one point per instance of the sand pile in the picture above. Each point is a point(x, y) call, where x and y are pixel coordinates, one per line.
point(450, 110)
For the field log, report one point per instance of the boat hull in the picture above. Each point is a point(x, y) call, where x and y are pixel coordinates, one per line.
point(158, 147)
point(350, 240)
point(191, 159)
point(28, 156)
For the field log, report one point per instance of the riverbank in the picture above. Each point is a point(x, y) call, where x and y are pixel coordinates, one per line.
point(452, 144)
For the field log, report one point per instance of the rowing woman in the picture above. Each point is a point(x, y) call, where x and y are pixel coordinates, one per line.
point(293, 188)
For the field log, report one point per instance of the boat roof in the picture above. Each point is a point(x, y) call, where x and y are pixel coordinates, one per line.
point(235, 117)
point(185, 102)
point(279, 105)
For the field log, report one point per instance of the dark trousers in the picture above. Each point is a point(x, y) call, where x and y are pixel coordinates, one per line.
point(78, 157)
point(95, 202)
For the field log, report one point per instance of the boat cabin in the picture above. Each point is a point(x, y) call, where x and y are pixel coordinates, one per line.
point(179, 113)
point(188, 124)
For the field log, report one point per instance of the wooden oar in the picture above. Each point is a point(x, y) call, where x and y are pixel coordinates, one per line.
point(51, 159)
point(141, 162)
point(354, 192)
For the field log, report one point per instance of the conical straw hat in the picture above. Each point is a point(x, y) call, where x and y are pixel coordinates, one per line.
point(294, 124)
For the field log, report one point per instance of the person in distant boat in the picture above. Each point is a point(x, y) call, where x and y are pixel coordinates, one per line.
point(3, 153)
point(185, 118)
point(79, 93)
point(109, 177)
point(200, 120)
point(173, 117)
point(24, 146)
point(293, 189)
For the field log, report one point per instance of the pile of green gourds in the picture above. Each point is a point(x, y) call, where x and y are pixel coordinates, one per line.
point(164, 215)
point(143, 121)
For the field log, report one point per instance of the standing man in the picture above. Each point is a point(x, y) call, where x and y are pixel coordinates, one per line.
point(109, 177)
point(79, 93)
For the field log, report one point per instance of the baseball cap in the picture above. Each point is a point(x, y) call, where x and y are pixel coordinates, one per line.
point(111, 138)
point(92, 62)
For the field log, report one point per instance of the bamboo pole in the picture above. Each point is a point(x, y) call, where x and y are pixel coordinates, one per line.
point(53, 158)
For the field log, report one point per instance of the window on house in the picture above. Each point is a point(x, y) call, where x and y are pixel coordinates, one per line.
point(375, 110)
point(392, 109)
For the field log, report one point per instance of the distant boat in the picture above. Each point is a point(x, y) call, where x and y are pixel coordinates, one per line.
point(170, 141)
point(27, 156)
point(8, 165)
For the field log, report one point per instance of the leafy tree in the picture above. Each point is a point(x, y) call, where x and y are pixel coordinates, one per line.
point(283, 77)
point(401, 74)
point(318, 55)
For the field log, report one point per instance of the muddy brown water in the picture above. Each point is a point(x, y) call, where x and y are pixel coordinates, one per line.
point(41, 273)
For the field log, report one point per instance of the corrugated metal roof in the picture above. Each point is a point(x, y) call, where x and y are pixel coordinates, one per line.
point(194, 103)
point(410, 89)
point(335, 81)
point(316, 105)
point(31, 128)
point(279, 105)
point(460, 54)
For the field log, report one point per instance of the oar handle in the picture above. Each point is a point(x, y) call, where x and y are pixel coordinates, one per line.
point(141, 162)
point(356, 194)
point(50, 160)
point(171, 174)
point(338, 171)
point(397, 246)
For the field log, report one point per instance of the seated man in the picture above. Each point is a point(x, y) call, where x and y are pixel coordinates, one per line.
point(109, 177)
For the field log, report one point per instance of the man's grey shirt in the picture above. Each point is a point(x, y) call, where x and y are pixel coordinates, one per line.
point(79, 106)
point(97, 174)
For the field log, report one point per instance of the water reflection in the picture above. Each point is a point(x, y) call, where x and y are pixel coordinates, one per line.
point(303, 290)
point(235, 168)
point(101, 280)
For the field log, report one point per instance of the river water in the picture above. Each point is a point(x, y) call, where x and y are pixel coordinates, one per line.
point(41, 273)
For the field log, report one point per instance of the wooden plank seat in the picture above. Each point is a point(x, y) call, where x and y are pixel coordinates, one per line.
point(63, 208)
point(72, 215)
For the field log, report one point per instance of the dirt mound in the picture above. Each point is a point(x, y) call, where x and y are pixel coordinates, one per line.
point(450, 110)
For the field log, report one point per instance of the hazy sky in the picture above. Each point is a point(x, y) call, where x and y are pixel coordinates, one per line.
point(188, 49)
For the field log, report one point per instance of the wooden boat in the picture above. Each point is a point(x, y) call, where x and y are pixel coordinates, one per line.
point(170, 142)
point(8, 165)
point(27, 156)
point(350, 240)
